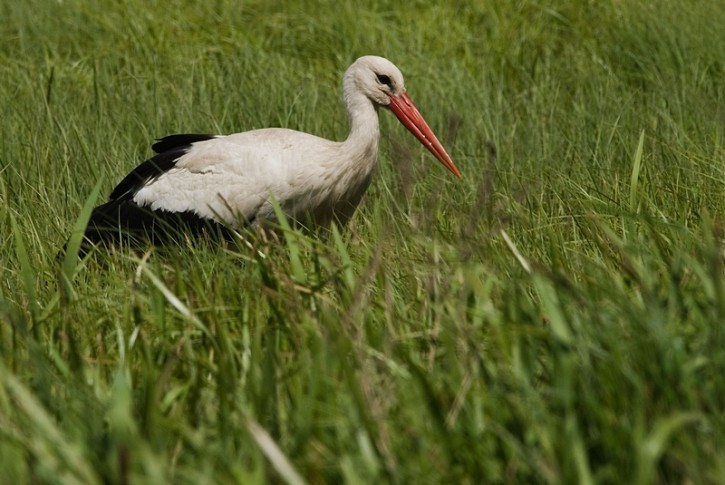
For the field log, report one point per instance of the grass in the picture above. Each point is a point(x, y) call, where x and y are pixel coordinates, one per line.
point(556, 316)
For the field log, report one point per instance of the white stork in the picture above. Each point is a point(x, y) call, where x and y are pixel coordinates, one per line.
point(197, 182)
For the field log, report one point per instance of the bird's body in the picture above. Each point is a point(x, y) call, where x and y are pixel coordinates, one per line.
point(200, 181)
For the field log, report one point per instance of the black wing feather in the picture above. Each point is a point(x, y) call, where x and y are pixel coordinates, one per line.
point(169, 149)
point(121, 220)
point(173, 142)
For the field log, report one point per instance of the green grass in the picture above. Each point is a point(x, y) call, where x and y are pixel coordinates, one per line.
point(557, 316)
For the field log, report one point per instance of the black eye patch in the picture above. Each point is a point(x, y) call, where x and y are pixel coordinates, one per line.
point(384, 79)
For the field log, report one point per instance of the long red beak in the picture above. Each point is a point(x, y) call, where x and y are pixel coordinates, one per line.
point(402, 106)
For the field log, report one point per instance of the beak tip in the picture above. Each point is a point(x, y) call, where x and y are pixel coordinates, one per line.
point(404, 109)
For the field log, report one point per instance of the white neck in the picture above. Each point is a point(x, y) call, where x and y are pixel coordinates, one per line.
point(361, 145)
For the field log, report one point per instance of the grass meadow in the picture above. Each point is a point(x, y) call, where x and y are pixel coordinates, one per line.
point(556, 316)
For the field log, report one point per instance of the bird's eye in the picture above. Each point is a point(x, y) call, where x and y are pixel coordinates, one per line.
point(383, 79)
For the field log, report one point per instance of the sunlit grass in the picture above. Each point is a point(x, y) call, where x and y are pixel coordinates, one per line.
point(555, 316)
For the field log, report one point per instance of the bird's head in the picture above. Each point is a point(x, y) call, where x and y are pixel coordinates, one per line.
point(381, 82)
point(377, 78)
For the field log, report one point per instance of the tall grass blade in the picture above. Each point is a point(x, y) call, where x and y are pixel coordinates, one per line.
point(634, 179)
point(552, 309)
point(274, 454)
point(26, 270)
point(346, 260)
point(656, 443)
point(175, 302)
point(292, 240)
point(72, 248)
point(517, 254)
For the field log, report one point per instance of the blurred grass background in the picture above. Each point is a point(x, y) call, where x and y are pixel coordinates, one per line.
point(556, 316)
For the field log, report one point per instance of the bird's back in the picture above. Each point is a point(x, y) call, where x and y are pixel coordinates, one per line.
point(201, 180)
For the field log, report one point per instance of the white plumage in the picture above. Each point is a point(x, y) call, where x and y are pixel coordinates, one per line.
point(199, 181)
